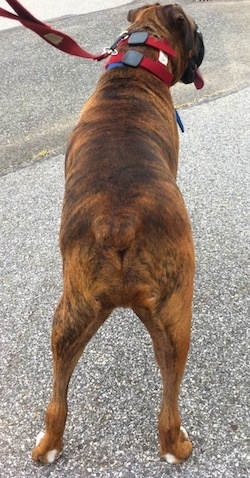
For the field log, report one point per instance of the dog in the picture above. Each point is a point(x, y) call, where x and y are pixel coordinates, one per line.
point(125, 235)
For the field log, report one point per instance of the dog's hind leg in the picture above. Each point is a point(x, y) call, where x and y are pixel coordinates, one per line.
point(73, 327)
point(170, 333)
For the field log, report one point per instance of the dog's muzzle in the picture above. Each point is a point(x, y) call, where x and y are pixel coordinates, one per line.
point(192, 73)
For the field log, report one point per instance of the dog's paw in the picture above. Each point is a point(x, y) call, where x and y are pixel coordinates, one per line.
point(41, 451)
point(171, 459)
point(186, 449)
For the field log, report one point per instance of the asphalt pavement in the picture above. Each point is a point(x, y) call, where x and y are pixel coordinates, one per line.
point(115, 393)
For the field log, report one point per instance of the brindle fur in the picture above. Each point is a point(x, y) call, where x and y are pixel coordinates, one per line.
point(125, 235)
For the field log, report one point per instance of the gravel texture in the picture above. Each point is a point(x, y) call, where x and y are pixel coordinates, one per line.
point(115, 393)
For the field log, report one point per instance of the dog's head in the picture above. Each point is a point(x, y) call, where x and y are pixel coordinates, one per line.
point(171, 22)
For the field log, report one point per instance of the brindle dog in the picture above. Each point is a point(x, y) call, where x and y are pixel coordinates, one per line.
point(125, 235)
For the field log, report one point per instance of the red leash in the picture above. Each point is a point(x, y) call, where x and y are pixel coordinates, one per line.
point(54, 37)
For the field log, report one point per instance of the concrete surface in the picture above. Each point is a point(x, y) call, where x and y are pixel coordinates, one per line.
point(115, 393)
point(46, 9)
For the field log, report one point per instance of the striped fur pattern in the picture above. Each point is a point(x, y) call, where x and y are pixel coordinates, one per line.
point(125, 234)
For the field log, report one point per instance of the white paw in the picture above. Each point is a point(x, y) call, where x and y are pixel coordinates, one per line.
point(51, 455)
point(171, 459)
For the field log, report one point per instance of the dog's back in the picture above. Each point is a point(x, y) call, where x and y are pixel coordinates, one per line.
point(123, 211)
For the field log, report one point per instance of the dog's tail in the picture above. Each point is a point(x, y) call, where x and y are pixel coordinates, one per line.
point(116, 232)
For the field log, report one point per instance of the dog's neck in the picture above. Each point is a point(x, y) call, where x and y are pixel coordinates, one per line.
point(134, 58)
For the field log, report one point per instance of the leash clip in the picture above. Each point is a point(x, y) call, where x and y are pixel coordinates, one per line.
point(111, 50)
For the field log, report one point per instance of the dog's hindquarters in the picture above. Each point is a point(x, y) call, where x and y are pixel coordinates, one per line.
point(156, 281)
point(138, 256)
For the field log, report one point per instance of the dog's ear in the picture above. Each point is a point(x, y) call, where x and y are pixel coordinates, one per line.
point(175, 20)
point(133, 14)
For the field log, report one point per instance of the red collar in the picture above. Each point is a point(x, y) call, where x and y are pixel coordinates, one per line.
point(134, 58)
